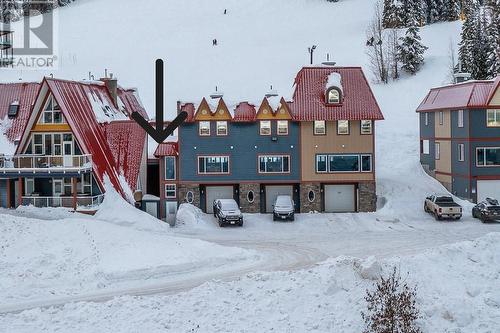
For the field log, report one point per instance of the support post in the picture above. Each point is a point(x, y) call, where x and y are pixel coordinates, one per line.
point(19, 191)
point(73, 191)
point(9, 199)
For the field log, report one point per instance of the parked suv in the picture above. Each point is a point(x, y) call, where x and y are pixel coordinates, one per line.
point(227, 212)
point(487, 210)
point(284, 208)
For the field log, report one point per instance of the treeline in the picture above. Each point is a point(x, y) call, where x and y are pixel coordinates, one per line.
point(14, 10)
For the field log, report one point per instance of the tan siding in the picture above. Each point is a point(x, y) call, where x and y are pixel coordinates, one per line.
point(444, 162)
point(445, 180)
point(333, 143)
point(496, 98)
point(443, 131)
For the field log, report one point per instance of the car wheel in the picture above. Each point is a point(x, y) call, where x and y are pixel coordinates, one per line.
point(240, 224)
point(220, 223)
point(438, 218)
point(274, 217)
point(474, 215)
point(425, 208)
point(292, 218)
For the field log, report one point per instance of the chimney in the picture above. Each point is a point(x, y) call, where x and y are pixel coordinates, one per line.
point(112, 86)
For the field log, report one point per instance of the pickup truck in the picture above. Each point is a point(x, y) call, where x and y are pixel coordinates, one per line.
point(442, 206)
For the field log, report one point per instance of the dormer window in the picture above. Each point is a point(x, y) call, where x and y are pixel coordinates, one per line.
point(13, 109)
point(52, 112)
point(333, 96)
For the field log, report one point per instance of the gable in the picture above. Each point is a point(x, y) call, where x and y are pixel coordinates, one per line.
point(266, 111)
point(204, 112)
point(495, 98)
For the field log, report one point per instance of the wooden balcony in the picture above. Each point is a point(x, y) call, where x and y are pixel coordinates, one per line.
point(34, 164)
point(82, 202)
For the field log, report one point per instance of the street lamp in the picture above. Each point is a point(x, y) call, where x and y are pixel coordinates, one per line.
point(311, 52)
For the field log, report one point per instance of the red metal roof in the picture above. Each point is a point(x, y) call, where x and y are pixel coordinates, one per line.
point(471, 94)
point(190, 109)
point(244, 112)
point(167, 149)
point(117, 147)
point(127, 141)
point(25, 94)
point(309, 102)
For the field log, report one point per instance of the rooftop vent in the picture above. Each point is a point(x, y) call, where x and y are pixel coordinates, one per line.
point(328, 62)
point(272, 92)
point(216, 94)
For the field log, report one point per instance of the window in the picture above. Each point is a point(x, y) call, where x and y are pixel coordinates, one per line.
point(343, 163)
point(170, 191)
point(87, 183)
point(437, 151)
point(250, 196)
point(425, 149)
point(321, 163)
point(222, 128)
point(51, 112)
point(333, 96)
point(493, 118)
point(343, 127)
point(461, 152)
point(204, 128)
point(67, 186)
point(311, 196)
point(282, 127)
point(460, 119)
point(426, 118)
point(13, 109)
point(319, 127)
point(441, 118)
point(169, 167)
point(366, 163)
point(488, 156)
point(29, 185)
point(265, 127)
point(213, 164)
point(274, 164)
point(190, 197)
point(366, 127)
point(38, 144)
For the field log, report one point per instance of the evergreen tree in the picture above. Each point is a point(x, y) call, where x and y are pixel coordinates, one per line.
point(394, 15)
point(411, 50)
point(466, 45)
point(493, 37)
point(450, 10)
point(434, 10)
point(10, 11)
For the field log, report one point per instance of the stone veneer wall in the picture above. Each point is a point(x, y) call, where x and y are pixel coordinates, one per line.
point(247, 207)
point(183, 189)
point(305, 205)
point(367, 197)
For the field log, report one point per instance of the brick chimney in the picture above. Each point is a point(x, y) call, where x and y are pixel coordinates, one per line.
point(112, 86)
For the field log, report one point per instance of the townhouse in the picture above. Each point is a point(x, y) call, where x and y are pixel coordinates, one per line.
point(317, 147)
point(460, 138)
point(66, 139)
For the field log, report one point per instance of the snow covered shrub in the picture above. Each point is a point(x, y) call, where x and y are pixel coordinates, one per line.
point(391, 307)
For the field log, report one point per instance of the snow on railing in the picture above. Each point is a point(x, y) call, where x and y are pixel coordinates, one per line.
point(45, 162)
point(82, 202)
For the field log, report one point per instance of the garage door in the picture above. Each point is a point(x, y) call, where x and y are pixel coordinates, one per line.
point(488, 189)
point(3, 192)
point(340, 198)
point(273, 191)
point(217, 192)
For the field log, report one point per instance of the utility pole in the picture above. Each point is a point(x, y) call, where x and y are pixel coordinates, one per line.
point(311, 52)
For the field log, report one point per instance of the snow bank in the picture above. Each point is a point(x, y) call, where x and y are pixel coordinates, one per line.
point(6, 146)
point(457, 291)
point(190, 216)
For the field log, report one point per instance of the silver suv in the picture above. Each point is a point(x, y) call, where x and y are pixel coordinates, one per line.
point(227, 212)
point(284, 208)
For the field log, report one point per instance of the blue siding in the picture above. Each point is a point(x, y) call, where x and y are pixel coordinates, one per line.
point(458, 167)
point(459, 132)
point(3, 192)
point(427, 131)
point(243, 164)
point(478, 128)
point(483, 171)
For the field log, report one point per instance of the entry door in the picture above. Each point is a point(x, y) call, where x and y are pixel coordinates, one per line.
point(171, 211)
point(340, 198)
point(57, 192)
point(273, 191)
point(68, 153)
point(217, 192)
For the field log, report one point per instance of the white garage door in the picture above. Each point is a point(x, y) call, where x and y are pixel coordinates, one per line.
point(488, 189)
point(152, 208)
point(340, 198)
point(217, 192)
point(273, 191)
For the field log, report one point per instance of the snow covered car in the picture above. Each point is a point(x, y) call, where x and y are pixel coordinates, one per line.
point(284, 208)
point(228, 212)
point(487, 210)
point(442, 207)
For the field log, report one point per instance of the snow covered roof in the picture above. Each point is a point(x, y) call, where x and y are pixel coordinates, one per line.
point(334, 81)
point(465, 95)
point(309, 102)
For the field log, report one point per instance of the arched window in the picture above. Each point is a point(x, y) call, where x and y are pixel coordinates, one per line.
point(311, 196)
point(250, 196)
point(333, 96)
point(190, 197)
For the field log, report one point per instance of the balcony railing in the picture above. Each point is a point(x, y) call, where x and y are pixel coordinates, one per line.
point(45, 163)
point(82, 202)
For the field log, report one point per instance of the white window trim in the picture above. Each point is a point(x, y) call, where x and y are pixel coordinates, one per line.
point(361, 163)
point(278, 127)
point(174, 190)
point(41, 119)
point(497, 116)
point(348, 127)
point(214, 173)
point(460, 119)
point(356, 155)
point(424, 146)
point(441, 117)
point(461, 152)
point(437, 151)
point(324, 127)
point(199, 128)
point(165, 171)
point(361, 127)
point(485, 166)
point(261, 127)
point(326, 163)
point(426, 118)
point(225, 125)
point(282, 164)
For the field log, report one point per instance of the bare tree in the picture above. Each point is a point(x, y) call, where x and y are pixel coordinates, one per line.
point(377, 46)
point(451, 63)
point(392, 49)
